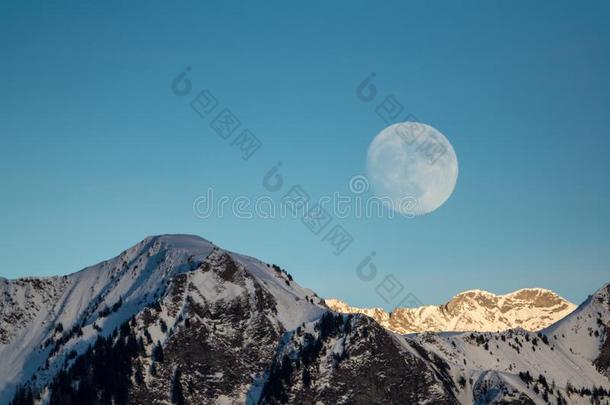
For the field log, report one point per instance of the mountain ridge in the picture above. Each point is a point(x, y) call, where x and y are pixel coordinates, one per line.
point(59, 314)
point(472, 310)
point(177, 318)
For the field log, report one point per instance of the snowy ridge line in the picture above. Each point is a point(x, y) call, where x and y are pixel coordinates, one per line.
point(473, 310)
point(177, 317)
point(96, 300)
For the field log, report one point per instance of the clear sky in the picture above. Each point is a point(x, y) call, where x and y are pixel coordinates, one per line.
point(96, 151)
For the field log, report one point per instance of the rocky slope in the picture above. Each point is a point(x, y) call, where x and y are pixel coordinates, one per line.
point(172, 319)
point(236, 309)
point(564, 363)
point(178, 320)
point(476, 310)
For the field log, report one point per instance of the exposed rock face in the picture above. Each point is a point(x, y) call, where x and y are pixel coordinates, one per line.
point(602, 301)
point(491, 388)
point(602, 362)
point(218, 344)
point(531, 308)
point(352, 360)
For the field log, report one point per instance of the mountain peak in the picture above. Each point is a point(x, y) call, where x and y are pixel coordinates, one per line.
point(472, 310)
point(177, 241)
point(180, 312)
point(526, 290)
point(475, 291)
point(43, 320)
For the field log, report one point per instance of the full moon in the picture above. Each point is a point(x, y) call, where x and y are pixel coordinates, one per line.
point(412, 168)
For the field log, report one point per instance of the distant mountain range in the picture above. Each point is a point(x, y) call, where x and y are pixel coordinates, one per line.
point(176, 319)
point(475, 310)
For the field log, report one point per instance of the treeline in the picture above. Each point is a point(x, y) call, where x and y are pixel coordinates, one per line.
point(543, 388)
point(282, 371)
point(102, 375)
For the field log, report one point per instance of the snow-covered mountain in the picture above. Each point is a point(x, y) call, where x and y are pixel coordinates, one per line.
point(176, 319)
point(566, 363)
point(158, 285)
point(475, 310)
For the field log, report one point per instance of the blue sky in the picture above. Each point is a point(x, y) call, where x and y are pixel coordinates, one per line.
point(96, 152)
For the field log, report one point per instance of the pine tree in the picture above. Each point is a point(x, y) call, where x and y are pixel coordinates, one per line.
point(286, 368)
point(158, 352)
point(139, 376)
point(163, 325)
point(153, 369)
point(177, 394)
point(306, 378)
